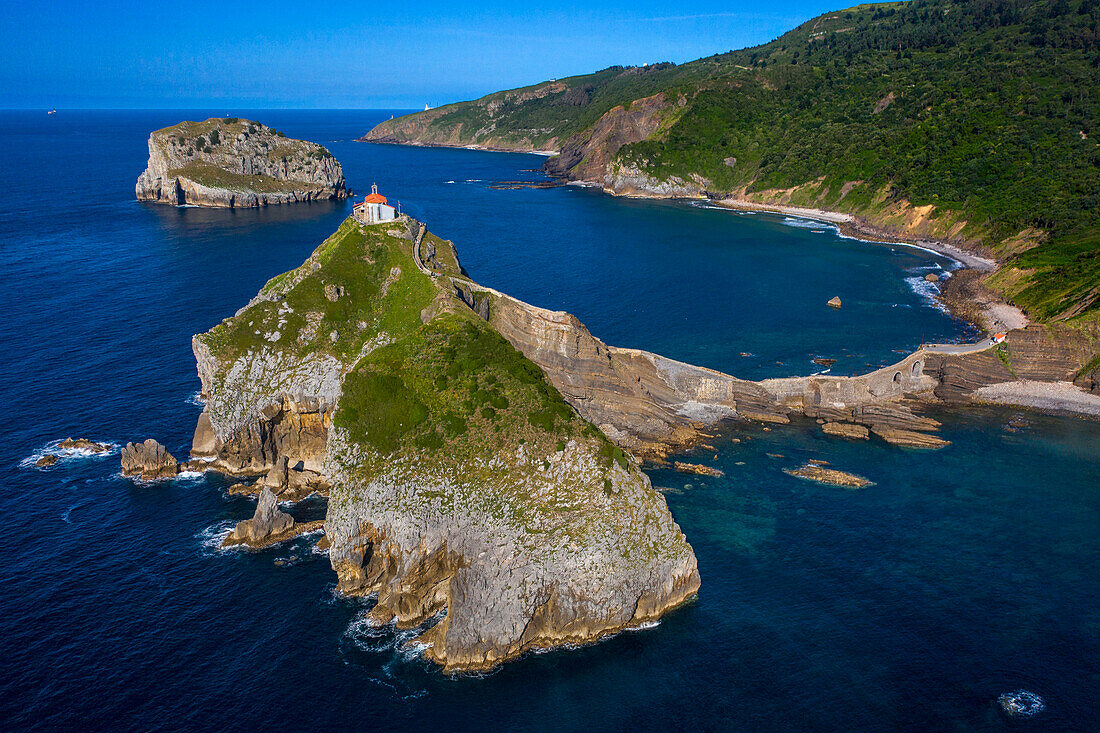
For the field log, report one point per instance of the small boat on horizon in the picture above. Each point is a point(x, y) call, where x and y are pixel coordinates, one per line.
point(51, 112)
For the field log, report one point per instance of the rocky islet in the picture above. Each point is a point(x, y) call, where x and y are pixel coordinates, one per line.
point(235, 163)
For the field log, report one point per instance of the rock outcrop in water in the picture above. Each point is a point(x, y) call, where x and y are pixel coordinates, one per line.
point(461, 481)
point(234, 163)
point(267, 525)
point(148, 460)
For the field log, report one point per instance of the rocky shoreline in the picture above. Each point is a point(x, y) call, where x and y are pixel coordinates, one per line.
point(411, 526)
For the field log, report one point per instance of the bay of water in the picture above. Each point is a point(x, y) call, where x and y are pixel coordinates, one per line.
point(960, 575)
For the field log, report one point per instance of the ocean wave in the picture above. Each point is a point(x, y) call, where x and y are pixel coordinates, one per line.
point(66, 517)
point(814, 225)
point(927, 292)
point(644, 626)
point(368, 635)
point(53, 448)
point(195, 398)
point(211, 538)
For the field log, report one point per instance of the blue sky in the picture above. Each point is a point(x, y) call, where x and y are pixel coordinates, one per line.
point(341, 55)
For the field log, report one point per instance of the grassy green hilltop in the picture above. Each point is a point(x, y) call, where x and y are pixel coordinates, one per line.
point(972, 121)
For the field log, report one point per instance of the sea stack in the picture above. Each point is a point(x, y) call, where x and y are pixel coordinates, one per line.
point(148, 460)
point(234, 163)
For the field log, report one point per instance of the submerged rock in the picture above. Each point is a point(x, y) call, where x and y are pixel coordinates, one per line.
point(932, 277)
point(846, 430)
point(696, 468)
point(46, 461)
point(831, 476)
point(83, 444)
point(149, 460)
point(910, 438)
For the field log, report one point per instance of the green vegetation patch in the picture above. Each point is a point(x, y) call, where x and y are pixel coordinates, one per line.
point(215, 177)
point(376, 286)
point(985, 110)
point(457, 382)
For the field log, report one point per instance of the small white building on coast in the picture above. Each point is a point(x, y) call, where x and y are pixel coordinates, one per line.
point(374, 209)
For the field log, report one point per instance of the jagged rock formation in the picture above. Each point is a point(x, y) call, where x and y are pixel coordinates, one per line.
point(267, 525)
point(234, 163)
point(460, 479)
point(149, 460)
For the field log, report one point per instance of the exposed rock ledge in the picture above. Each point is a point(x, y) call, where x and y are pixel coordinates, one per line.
point(234, 163)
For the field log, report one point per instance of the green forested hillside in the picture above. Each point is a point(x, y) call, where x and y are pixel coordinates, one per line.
point(986, 110)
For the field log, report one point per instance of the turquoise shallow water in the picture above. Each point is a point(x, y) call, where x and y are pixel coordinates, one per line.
point(913, 604)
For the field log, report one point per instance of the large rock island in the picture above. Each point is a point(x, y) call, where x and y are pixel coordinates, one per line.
point(463, 487)
point(233, 163)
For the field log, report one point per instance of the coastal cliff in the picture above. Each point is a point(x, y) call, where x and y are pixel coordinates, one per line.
point(896, 116)
point(235, 163)
point(465, 493)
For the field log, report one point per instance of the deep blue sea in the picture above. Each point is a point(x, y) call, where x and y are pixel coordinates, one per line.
point(961, 575)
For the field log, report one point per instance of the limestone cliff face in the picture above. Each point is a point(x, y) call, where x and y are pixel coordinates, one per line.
point(462, 538)
point(233, 163)
point(461, 483)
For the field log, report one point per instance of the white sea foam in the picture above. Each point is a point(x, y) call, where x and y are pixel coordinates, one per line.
point(645, 626)
point(927, 291)
point(1021, 704)
point(212, 537)
point(812, 224)
point(65, 454)
point(368, 635)
point(195, 398)
point(66, 517)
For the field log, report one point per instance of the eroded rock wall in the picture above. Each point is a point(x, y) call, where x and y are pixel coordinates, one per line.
point(229, 163)
point(430, 539)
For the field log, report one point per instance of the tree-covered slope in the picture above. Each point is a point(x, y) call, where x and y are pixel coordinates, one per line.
point(972, 121)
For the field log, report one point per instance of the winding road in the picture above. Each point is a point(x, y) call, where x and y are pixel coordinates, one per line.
point(982, 345)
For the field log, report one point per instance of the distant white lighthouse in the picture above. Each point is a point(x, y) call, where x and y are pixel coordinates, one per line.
point(427, 107)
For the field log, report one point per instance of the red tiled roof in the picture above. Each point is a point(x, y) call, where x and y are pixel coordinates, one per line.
point(375, 198)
